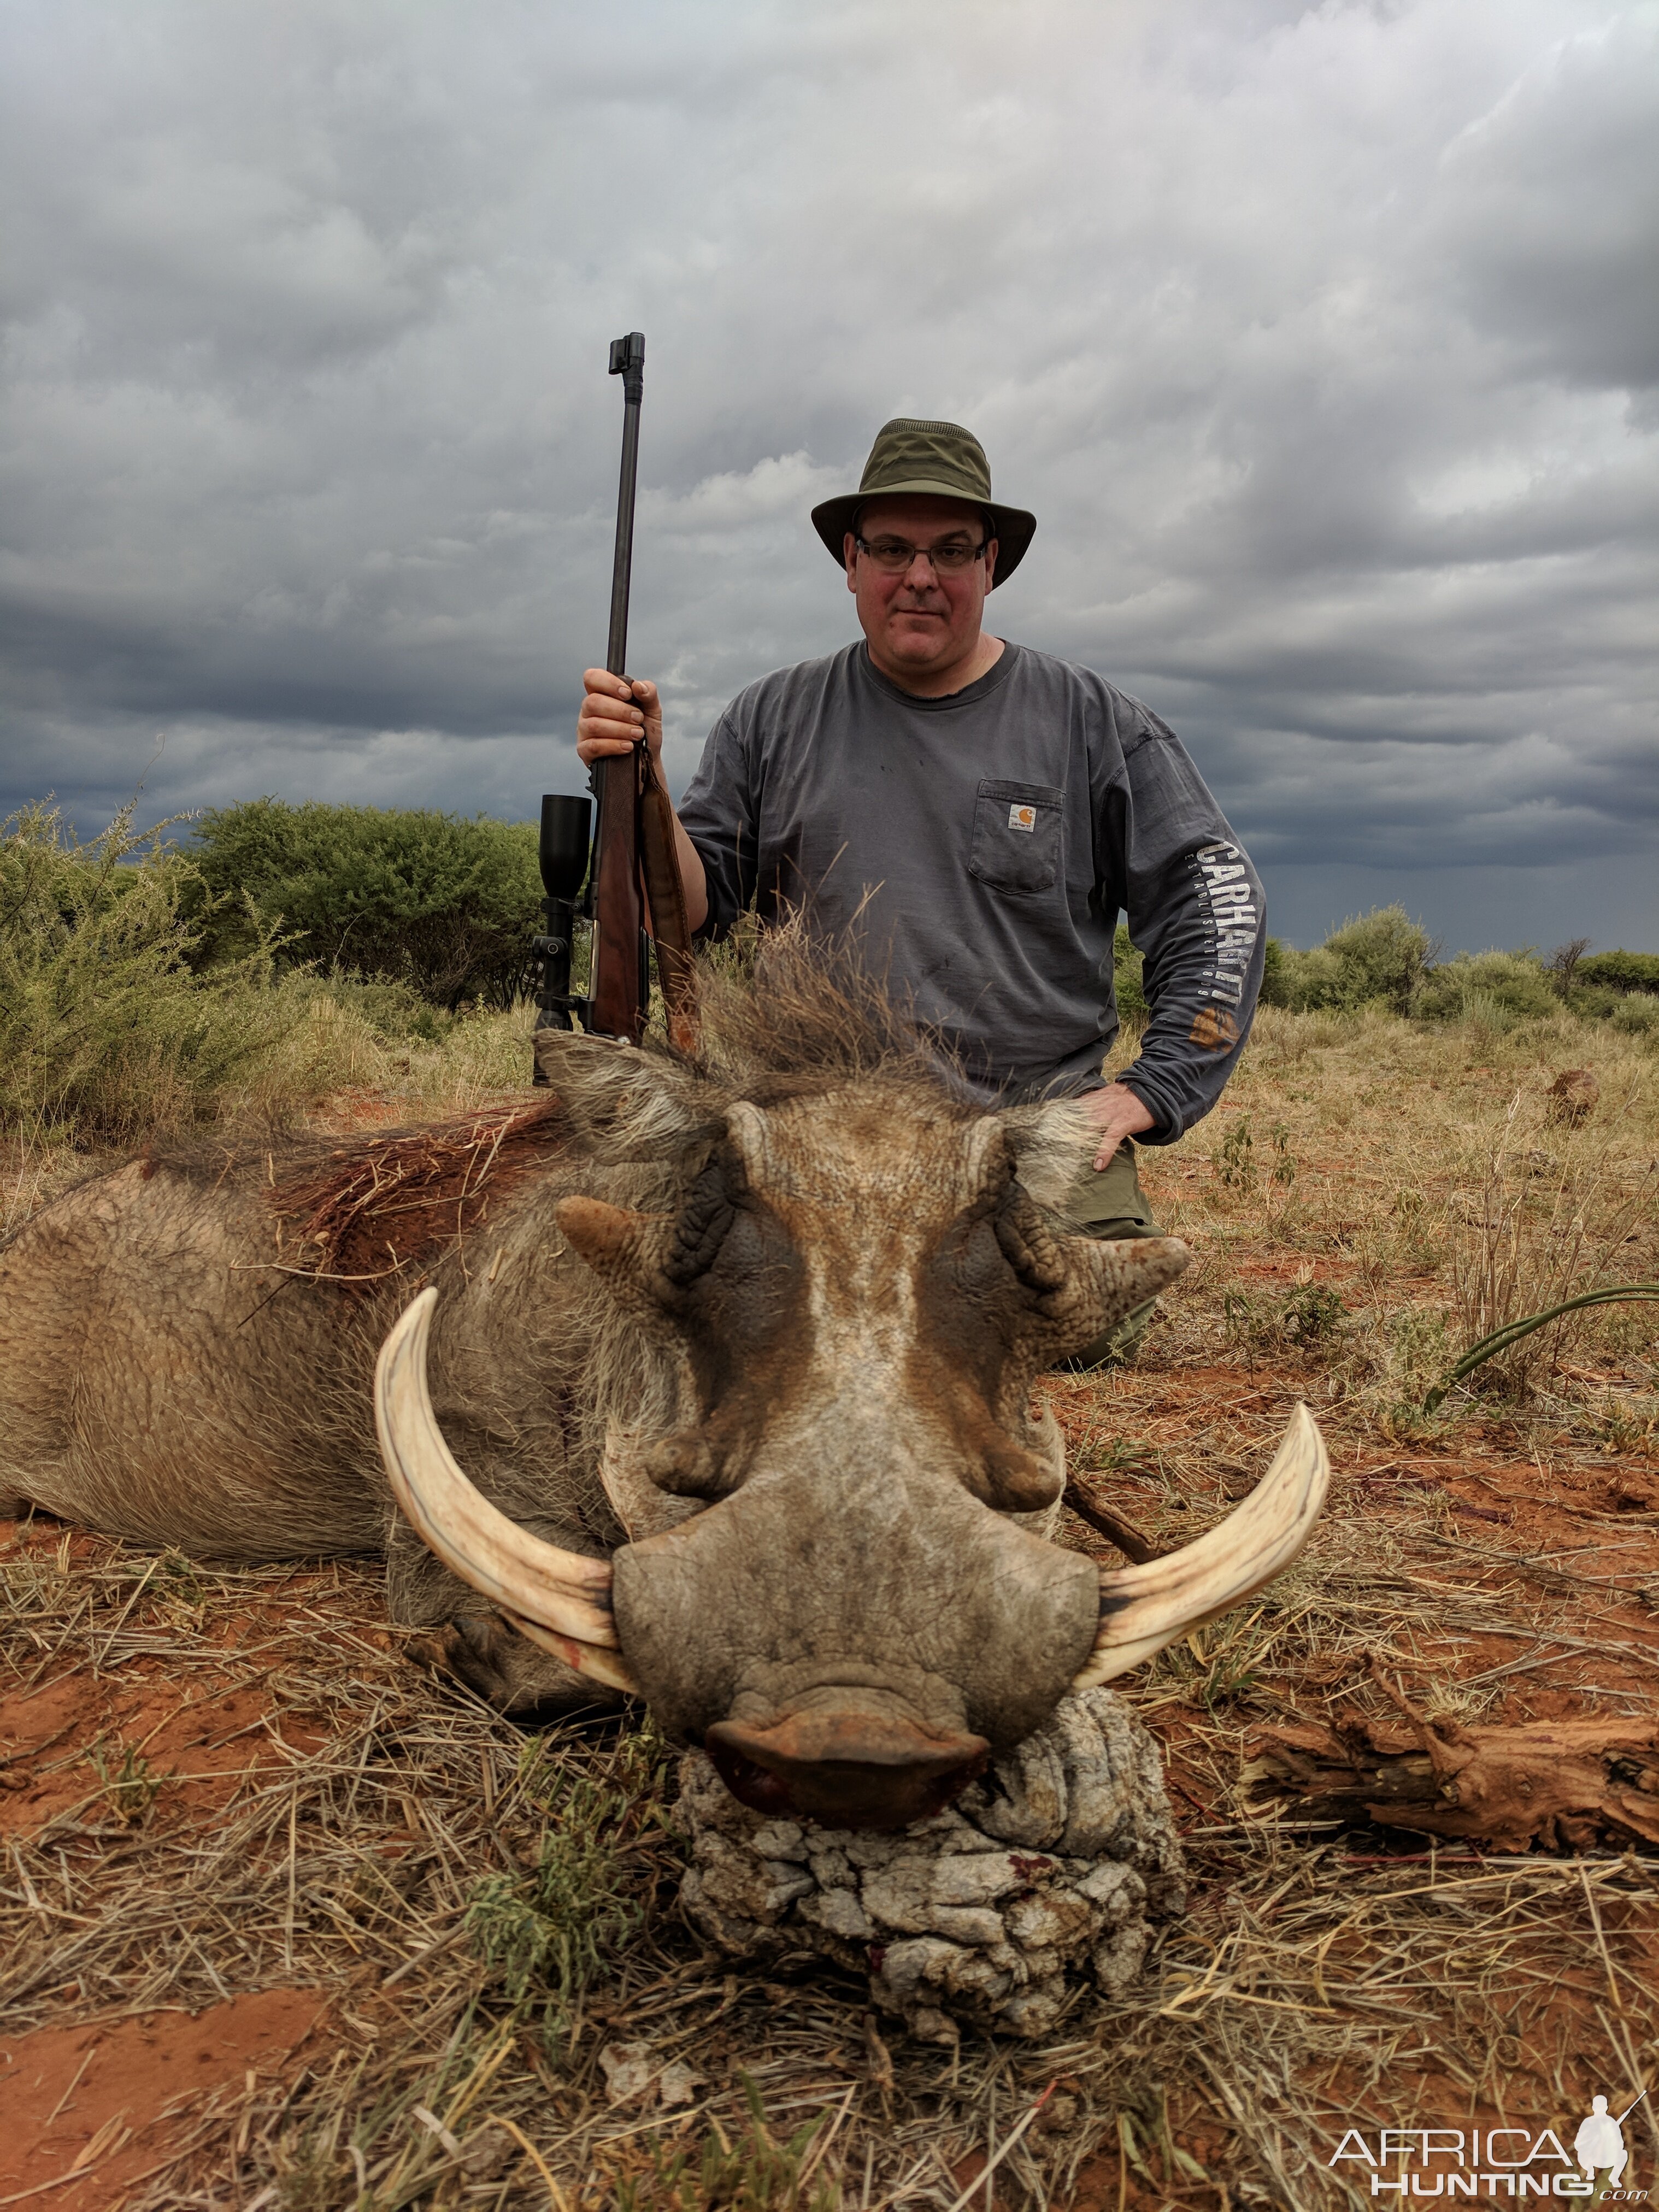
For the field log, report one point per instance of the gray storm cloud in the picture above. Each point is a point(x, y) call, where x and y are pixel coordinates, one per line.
point(1325, 343)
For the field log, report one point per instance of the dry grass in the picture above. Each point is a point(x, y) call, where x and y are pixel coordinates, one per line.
point(487, 1914)
point(1414, 1170)
point(330, 1068)
point(336, 1060)
point(1540, 1231)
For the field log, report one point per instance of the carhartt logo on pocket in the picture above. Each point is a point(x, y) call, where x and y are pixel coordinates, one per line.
point(1022, 817)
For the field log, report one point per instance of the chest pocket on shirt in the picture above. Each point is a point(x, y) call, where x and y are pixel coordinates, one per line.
point(1017, 830)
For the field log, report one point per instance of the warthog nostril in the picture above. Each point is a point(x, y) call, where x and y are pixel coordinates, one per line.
point(846, 1768)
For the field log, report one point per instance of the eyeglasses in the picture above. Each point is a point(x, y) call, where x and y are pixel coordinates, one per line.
point(893, 555)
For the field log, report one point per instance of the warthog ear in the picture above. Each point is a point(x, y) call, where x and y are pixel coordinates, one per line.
point(1082, 1286)
point(622, 1103)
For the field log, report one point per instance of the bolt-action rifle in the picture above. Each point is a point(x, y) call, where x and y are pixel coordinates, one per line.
point(634, 896)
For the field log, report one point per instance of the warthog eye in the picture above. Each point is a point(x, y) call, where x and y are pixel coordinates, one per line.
point(705, 1219)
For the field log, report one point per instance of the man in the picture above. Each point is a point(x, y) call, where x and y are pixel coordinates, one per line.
point(975, 814)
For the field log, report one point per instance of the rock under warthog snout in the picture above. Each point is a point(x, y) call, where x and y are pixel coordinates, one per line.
point(1050, 1871)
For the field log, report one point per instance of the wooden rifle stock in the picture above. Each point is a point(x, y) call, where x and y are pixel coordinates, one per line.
point(616, 995)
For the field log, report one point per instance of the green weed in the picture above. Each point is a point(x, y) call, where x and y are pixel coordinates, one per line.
point(551, 1932)
point(754, 2173)
point(1230, 1675)
point(1307, 1315)
point(1310, 1313)
point(1283, 1171)
point(129, 1787)
point(1101, 1454)
point(1234, 1162)
point(1628, 1426)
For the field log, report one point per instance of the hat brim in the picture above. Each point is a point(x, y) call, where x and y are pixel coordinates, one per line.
point(1012, 527)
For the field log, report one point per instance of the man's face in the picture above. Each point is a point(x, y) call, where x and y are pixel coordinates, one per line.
point(923, 619)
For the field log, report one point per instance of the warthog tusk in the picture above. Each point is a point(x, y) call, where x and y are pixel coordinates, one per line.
point(586, 1658)
point(1144, 1607)
point(560, 1599)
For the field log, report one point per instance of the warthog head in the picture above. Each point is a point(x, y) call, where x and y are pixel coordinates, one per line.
point(833, 1585)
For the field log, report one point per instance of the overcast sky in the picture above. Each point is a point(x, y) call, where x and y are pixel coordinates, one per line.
point(1324, 343)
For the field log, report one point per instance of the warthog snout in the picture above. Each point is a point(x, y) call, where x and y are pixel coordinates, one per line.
point(850, 1636)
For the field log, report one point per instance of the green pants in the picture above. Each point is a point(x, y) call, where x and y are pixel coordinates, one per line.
point(1111, 1206)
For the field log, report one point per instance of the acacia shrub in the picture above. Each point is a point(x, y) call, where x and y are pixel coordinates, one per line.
point(106, 1029)
point(1497, 988)
point(443, 904)
point(1635, 1013)
point(1382, 957)
point(1619, 971)
point(1375, 958)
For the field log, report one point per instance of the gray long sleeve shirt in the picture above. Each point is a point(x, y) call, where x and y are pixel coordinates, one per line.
point(979, 848)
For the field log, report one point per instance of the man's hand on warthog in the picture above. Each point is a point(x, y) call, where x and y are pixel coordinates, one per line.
point(615, 714)
point(1118, 1113)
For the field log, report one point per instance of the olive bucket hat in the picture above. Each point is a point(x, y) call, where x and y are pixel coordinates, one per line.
point(940, 457)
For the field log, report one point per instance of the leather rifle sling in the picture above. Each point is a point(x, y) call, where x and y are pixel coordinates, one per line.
point(665, 892)
point(618, 914)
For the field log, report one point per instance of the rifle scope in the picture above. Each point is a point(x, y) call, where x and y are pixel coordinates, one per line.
point(562, 853)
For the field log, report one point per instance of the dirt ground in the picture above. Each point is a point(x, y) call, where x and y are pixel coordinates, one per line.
point(289, 1922)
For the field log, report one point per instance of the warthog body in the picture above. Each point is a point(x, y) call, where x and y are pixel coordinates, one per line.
point(774, 1315)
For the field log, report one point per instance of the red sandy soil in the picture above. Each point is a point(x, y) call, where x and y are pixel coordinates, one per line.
point(1516, 1505)
point(119, 2099)
point(202, 1739)
point(202, 1743)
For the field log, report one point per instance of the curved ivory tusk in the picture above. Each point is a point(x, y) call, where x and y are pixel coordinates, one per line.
point(609, 1666)
point(1143, 1608)
point(560, 1599)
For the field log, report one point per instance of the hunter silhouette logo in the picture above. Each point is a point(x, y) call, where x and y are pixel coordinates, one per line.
point(1599, 2142)
point(1598, 2146)
point(1495, 2165)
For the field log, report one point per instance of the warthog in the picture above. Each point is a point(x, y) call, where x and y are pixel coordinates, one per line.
point(737, 1350)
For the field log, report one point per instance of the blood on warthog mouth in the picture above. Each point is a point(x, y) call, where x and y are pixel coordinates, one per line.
point(750, 1784)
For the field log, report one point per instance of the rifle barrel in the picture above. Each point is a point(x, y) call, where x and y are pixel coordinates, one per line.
point(631, 368)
